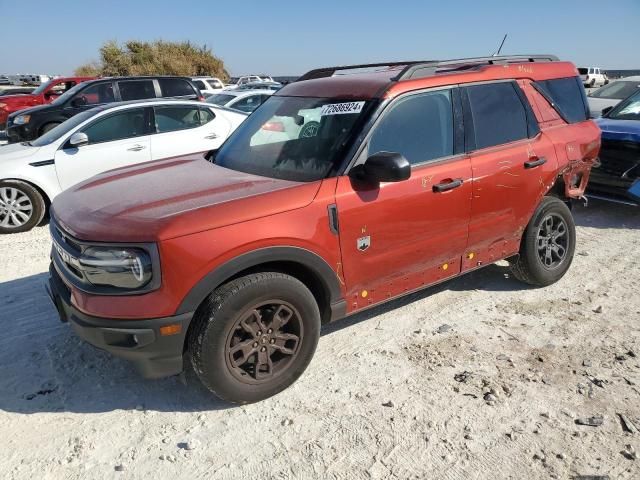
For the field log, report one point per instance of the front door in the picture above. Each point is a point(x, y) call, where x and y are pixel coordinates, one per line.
point(115, 140)
point(398, 237)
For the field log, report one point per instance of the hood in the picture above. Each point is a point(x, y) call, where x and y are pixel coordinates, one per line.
point(596, 105)
point(20, 99)
point(170, 198)
point(16, 151)
point(32, 110)
point(620, 130)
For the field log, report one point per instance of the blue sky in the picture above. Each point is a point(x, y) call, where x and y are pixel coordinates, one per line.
point(289, 37)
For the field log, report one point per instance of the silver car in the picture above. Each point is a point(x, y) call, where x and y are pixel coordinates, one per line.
point(612, 94)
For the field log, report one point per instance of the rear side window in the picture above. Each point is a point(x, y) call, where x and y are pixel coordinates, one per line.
point(171, 119)
point(567, 97)
point(498, 115)
point(136, 89)
point(420, 127)
point(200, 84)
point(176, 87)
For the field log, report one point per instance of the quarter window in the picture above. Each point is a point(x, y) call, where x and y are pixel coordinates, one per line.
point(420, 127)
point(176, 87)
point(498, 114)
point(127, 124)
point(136, 90)
point(567, 97)
point(171, 119)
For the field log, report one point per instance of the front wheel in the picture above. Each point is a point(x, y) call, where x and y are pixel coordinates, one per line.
point(21, 206)
point(254, 336)
point(547, 246)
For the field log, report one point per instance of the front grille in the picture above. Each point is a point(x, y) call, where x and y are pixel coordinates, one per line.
point(620, 158)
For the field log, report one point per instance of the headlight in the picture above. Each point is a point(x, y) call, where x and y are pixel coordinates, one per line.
point(126, 267)
point(21, 119)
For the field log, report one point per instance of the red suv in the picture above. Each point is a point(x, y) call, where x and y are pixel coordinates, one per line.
point(414, 173)
point(45, 93)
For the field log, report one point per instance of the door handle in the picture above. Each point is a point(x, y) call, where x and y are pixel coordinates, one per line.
point(445, 186)
point(211, 136)
point(136, 148)
point(534, 162)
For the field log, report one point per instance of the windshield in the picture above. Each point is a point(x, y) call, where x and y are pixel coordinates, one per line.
point(292, 138)
point(62, 129)
point(628, 109)
point(616, 90)
point(42, 87)
point(220, 99)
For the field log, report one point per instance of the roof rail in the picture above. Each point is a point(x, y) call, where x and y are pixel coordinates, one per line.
point(427, 68)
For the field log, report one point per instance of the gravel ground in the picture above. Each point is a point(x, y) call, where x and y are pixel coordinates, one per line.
point(478, 378)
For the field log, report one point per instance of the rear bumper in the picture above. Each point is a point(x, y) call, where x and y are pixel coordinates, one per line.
point(138, 341)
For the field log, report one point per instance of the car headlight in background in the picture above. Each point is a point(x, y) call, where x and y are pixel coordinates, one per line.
point(3, 105)
point(21, 119)
point(127, 267)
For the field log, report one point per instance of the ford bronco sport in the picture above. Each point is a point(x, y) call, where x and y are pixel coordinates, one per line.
point(417, 172)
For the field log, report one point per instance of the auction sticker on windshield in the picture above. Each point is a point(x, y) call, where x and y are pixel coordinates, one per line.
point(341, 108)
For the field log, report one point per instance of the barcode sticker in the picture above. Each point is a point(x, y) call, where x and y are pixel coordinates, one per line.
point(341, 108)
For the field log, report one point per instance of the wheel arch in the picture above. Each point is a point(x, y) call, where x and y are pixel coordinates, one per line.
point(302, 264)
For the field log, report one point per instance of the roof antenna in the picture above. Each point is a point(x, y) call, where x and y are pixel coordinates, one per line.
point(500, 47)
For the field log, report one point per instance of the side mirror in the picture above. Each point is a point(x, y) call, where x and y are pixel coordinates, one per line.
point(606, 110)
point(78, 139)
point(383, 167)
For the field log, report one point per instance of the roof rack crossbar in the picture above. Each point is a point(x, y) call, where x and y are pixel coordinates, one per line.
point(427, 68)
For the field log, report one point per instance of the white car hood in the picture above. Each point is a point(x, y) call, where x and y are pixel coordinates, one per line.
point(15, 152)
point(596, 105)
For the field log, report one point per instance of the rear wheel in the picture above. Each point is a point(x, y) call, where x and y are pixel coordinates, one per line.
point(21, 206)
point(254, 336)
point(547, 246)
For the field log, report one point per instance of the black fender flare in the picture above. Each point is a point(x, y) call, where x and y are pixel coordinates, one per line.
point(311, 261)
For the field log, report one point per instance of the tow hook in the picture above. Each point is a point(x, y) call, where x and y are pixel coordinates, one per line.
point(585, 200)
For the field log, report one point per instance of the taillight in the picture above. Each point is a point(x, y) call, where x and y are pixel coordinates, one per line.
point(201, 98)
point(273, 127)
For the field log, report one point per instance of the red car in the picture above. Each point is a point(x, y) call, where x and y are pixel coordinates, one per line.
point(415, 173)
point(45, 93)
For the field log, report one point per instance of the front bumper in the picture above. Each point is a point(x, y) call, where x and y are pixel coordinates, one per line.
point(20, 133)
point(138, 341)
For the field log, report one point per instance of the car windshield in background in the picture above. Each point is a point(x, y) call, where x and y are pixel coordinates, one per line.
point(292, 138)
point(42, 87)
point(616, 90)
point(629, 109)
point(220, 99)
point(62, 129)
point(68, 94)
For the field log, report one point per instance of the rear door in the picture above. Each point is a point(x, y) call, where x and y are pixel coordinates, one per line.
point(397, 237)
point(183, 129)
point(115, 140)
point(511, 162)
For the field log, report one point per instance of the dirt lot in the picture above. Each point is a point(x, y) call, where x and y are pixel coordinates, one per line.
point(478, 378)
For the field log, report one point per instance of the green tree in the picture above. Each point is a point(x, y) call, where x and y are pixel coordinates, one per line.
point(155, 58)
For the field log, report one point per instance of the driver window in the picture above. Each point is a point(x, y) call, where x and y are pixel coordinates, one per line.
point(420, 127)
point(127, 124)
point(95, 95)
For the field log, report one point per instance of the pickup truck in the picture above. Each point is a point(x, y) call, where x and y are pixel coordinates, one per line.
point(45, 93)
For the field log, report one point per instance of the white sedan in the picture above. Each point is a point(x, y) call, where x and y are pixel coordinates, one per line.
point(100, 139)
point(243, 100)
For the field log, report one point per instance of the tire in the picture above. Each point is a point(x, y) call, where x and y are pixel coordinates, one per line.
point(47, 127)
point(557, 249)
point(226, 340)
point(18, 199)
